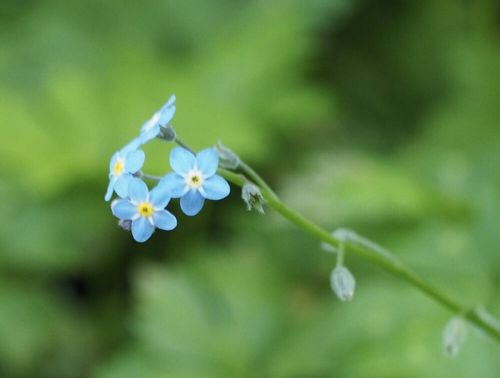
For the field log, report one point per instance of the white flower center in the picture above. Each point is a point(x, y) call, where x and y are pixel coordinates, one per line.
point(194, 179)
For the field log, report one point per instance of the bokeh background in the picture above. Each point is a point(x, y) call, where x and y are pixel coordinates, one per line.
point(382, 116)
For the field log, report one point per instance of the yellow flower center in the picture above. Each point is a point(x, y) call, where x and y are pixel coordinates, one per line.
point(145, 209)
point(119, 167)
point(194, 179)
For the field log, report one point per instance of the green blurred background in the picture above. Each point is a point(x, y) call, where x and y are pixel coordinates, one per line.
point(381, 116)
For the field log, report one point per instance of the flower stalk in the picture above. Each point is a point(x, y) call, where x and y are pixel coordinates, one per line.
point(365, 249)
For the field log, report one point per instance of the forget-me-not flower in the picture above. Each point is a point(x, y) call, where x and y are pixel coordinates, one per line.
point(145, 209)
point(152, 128)
point(194, 179)
point(124, 163)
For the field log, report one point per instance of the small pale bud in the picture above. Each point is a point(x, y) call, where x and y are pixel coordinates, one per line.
point(167, 133)
point(343, 283)
point(253, 198)
point(125, 224)
point(227, 158)
point(327, 247)
point(454, 335)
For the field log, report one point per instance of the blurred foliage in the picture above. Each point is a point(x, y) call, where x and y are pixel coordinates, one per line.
point(379, 116)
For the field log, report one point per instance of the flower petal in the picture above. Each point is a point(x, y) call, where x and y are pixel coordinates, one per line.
point(137, 190)
point(150, 123)
point(150, 134)
point(109, 191)
point(134, 161)
point(164, 220)
point(142, 229)
point(207, 162)
point(123, 209)
point(112, 162)
point(181, 160)
point(166, 115)
point(215, 188)
point(131, 146)
point(175, 184)
point(160, 196)
point(171, 100)
point(192, 202)
point(121, 184)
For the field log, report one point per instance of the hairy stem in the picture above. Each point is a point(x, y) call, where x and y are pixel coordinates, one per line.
point(366, 249)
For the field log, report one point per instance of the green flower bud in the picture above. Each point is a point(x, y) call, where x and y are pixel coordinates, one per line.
point(253, 198)
point(167, 133)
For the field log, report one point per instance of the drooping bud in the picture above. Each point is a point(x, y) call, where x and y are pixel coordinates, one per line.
point(125, 224)
point(327, 247)
point(454, 335)
point(253, 198)
point(167, 133)
point(342, 283)
point(227, 158)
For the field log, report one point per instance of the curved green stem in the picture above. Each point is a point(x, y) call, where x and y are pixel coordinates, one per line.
point(256, 178)
point(369, 251)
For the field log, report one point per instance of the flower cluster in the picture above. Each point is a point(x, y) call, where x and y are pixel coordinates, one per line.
point(194, 179)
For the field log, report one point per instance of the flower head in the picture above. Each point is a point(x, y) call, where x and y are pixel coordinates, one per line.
point(194, 179)
point(152, 128)
point(145, 209)
point(123, 164)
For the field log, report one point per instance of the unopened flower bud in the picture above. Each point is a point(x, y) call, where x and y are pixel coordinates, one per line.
point(342, 283)
point(167, 133)
point(454, 335)
point(125, 224)
point(253, 198)
point(227, 158)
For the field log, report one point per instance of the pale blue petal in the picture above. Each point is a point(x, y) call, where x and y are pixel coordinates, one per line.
point(148, 135)
point(149, 124)
point(171, 100)
point(142, 229)
point(181, 160)
point(207, 161)
point(137, 190)
point(159, 196)
point(215, 188)
point(164, 220)
point(131, 146)
point(122, 183)
point(175, 183)
point(192, 202)
point(134, 161)
point(123, 209)
point(109, 191)
point(112, 162)
point(166, 115)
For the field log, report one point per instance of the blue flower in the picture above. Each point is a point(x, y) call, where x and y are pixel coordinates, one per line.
point(122, 166)
point(151, 128)
point(146, 210)
point(194, 179)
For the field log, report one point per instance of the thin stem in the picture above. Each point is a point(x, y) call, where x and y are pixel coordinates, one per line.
point(373, 253)
point(183, 145)
point(341, 254)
